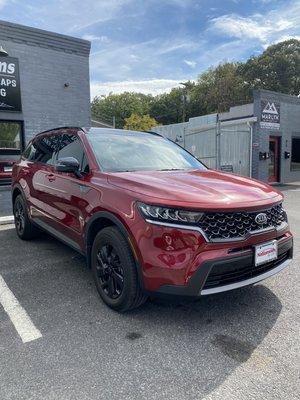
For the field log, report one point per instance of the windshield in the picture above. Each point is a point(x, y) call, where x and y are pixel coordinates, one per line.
point(139, 151)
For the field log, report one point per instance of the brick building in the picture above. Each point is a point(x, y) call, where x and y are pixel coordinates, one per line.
point(44, 83)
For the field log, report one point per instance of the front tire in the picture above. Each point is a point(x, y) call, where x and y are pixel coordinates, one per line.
point(115, 272)
point(25, 229)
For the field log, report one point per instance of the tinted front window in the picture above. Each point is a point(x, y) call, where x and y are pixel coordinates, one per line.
point(139, 152)
point(70, 146)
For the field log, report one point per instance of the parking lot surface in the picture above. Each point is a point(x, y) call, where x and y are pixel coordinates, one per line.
point(243, 344)
point(5, 201)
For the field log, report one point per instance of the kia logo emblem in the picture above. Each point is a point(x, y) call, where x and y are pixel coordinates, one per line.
point(261, 219)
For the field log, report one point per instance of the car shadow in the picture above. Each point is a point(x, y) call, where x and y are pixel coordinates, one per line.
point(194, 345)
point(218, 332)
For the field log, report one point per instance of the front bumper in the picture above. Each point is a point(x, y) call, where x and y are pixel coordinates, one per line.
point(220, 275)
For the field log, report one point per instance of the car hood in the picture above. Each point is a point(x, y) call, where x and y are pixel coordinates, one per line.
point(208, 189)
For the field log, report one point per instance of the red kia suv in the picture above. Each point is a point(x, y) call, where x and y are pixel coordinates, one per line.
point(147, 215)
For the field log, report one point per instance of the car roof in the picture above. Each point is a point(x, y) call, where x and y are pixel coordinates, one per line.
point(100, 131)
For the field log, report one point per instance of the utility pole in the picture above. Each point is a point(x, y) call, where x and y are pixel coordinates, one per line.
point(218, 143)
point(184, 98)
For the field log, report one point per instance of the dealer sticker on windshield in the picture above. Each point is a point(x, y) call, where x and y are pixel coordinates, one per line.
point(266, 252)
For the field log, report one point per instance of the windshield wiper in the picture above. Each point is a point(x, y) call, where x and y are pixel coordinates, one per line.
point(123, 170)
point(171, 169)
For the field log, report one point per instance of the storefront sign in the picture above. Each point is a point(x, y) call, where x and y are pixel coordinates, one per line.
point(10, 94)
point(270, 115)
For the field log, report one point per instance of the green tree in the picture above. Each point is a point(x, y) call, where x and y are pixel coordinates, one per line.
point(140, 122)
point(219, 88)
point(173, 107)
point(167, 107)
point(120, 106)
point(277, 68)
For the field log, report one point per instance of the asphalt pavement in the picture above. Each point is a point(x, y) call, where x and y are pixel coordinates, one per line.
point(243, 344)
point(5, 201)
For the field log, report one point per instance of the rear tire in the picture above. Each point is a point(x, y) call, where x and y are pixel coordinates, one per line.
point(24, 227)
point(115, 272)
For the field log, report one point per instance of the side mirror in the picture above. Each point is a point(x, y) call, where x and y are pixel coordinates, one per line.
point(68, 164)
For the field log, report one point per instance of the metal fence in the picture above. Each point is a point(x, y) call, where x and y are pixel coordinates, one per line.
point(235, 150)
point(219, 145)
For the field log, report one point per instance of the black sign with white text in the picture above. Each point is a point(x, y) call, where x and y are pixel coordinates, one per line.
point(270, 114)
point(10, 93)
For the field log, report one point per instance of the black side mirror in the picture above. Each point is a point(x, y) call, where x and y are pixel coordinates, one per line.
point(68, 164)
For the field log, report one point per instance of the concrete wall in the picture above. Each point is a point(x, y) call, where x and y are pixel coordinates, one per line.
point(47, 61)
point(289, 126)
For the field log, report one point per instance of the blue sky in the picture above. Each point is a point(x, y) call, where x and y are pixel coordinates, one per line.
point(152, 45)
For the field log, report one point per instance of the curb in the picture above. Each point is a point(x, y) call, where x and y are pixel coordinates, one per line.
point(7, 220)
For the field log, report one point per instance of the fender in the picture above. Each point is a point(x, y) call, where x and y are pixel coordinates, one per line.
point(107, 215)
point(17, 186)
point(111, 217)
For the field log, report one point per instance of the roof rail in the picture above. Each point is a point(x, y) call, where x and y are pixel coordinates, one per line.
point(60, 127)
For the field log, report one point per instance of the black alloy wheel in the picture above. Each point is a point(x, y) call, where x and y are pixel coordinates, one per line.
point(19, 214)
point(24, 227)
point(115, 270)
point(109, 271)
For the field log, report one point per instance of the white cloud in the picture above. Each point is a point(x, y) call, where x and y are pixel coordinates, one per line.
point(68, 16)
point(255, 27)
point(119, 61)
point(233, 50)
point(190, 63)
point(287, 37)
point(266, 28)
point(2, 3)
point(94, 38)
point(150, 86)
point(170, 47)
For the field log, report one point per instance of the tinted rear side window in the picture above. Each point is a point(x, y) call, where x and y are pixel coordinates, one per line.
point(43, 149)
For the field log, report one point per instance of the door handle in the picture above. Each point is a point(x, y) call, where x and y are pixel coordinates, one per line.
point(51, 177)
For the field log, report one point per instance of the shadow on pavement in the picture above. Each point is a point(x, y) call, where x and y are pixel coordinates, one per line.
point(227, 328)
point(187, 347)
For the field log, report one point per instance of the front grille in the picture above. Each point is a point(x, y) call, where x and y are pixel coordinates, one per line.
point(226, 274)
point(238, 225)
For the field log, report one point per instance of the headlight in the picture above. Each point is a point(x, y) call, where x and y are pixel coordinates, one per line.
point(166, 214)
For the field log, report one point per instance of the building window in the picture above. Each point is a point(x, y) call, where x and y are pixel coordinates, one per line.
point(10, 135)
point(295, 162)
